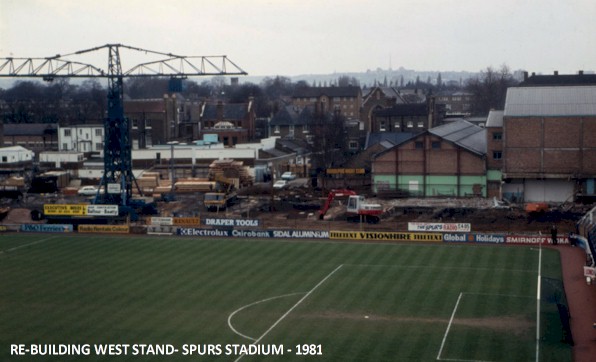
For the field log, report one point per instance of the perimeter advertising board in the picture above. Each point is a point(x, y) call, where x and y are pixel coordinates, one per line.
point(210, 221)
point(47, 228)
point(80, 210)
point(293, 234)
point(439, 227)
point(111, 229)
point(534, 239)
point(102, 210)
point(162, 220)
point(186, 221)
point(382, 236)
point(65, 209)
point(473, 238)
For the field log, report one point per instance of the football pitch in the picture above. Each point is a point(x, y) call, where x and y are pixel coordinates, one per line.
point(128, 298)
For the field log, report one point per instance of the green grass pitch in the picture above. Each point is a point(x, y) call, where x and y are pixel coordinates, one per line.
point(353, 301)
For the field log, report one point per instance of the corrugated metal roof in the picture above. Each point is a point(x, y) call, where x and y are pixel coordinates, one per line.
point(495, 119)
point(551, 101)
point(394, 138)
point(464, 134)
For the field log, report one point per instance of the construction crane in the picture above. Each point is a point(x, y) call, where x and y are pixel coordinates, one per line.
point(118, 180)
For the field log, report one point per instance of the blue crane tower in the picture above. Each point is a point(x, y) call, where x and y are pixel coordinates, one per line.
point(118, 180)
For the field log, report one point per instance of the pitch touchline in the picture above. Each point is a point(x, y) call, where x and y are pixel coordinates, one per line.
point(250, 305)
point(437, 267)
point(292, 308)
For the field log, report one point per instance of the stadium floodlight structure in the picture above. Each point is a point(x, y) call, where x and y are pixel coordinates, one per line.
point(118, 179)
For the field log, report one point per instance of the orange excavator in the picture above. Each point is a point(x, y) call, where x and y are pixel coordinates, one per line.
point(357, 209)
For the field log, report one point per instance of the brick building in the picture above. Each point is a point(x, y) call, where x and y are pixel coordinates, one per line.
point(233, 122)
point(292, 122)
point(378, 98)
point(448, 160)
point(455, 102)
point(37, 137)
point(494, 153)
point(549, 152)
point(347, 100)
point(401, 118)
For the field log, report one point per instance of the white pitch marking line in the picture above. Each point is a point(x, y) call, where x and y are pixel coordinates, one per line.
point(449, 326)
point(292, 308)
point(438, 267)
point(26, 245)
point(250, 305)
point(538, 291)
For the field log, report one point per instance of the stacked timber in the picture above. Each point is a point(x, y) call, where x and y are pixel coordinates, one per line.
point(148, 182)
point(14, 181)
point(231, 170)
point(194, 185)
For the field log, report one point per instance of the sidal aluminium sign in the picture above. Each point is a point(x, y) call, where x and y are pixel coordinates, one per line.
point(440, 227)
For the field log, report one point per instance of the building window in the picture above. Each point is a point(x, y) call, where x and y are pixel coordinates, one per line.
point(353, 145)
point(291, 131)
point(382, 126)
point(276, 129)
point(305, 128)
point(497, 155)
point(66, 133)
point(420, 124)
point(65, 146)
point(418, 145)
point(98, 146)
point(497, 136)
point(98, 132)
point(4, 159)
point(436, 145)
point(410, 124)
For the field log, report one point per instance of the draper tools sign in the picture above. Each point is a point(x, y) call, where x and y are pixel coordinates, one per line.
point(231, 222)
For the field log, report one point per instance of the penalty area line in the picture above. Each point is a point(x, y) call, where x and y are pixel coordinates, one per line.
point(292, 308)
point(26, 245)
point(449, 326)
point(250, 305)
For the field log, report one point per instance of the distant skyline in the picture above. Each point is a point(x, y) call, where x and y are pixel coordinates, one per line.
point(291, 38)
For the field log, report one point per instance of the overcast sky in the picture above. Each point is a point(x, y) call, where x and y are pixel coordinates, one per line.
point(294, 37)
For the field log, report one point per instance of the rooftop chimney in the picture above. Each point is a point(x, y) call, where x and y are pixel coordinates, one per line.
point(556, 72)
point(581, 72)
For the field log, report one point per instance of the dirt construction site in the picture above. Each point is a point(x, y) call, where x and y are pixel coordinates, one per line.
point(298, 207)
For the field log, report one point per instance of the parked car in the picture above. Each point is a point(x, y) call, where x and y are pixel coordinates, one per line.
point(280, 184)
point(288, 176)
point(87, 191)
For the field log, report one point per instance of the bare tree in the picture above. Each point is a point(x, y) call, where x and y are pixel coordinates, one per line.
point(489, 89)
point(329, 139)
